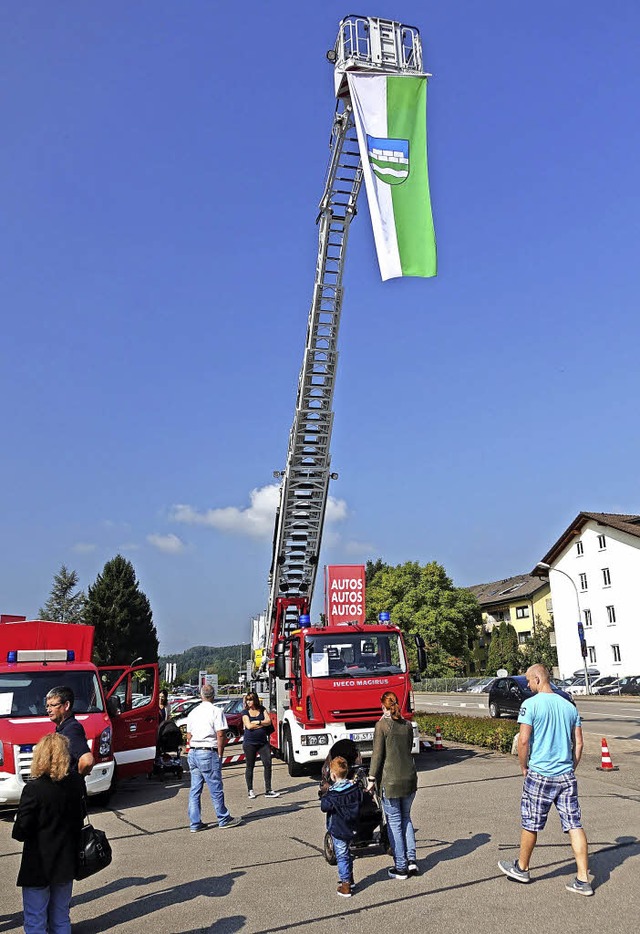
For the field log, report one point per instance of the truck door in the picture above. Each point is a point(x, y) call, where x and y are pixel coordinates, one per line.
point(133, 705)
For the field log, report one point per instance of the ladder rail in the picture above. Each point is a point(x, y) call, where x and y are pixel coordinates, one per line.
point(305, 480)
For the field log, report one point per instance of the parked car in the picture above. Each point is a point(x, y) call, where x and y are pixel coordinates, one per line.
point(507, 694)
point(606, 684)
point(630, 684)
point(482, 687)
point(467, 685)
point(577, 686)
point(232, 708)
point(183, 708)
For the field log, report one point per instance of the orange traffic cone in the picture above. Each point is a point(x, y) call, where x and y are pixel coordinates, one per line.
point(438, 744)
point(607, 764)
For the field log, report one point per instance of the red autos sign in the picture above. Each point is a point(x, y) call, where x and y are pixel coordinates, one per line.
point(344, 594)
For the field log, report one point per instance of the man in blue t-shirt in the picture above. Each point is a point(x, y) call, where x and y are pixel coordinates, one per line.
point(549, 750)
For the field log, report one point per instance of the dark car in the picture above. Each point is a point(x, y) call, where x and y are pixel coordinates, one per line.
point(507, 694)
point(630, 685)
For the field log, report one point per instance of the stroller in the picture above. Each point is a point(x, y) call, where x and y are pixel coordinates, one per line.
point(167, 761)
point(372, 828)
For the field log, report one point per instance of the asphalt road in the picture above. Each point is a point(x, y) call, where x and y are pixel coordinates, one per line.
point(269, 876)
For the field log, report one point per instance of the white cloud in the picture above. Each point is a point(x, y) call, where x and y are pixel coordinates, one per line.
point(255, 520)
point(170, 544)
point(83, 548)
point(359, 549)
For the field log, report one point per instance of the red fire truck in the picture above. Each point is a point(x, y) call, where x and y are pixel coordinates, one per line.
point(324, 683)
point(117, 705)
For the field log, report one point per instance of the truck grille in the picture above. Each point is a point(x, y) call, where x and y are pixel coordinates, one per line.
point(24, 757)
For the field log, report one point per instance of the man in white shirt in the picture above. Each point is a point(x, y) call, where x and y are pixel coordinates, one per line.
point(206, 729)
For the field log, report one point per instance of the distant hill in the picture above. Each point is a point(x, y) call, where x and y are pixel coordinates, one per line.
point(224, 659)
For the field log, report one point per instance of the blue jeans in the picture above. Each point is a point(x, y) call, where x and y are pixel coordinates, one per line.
point(344, 859)
point(401, 833)
point(46, 908)
point(204, 766)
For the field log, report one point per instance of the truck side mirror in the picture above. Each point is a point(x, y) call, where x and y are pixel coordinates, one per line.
point(421, 651)
point(280, 660)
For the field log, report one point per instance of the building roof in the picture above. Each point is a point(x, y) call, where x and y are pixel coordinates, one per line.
point(509, 590)
point(623, 523)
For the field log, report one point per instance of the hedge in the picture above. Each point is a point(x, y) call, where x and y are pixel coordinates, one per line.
point(477, 731)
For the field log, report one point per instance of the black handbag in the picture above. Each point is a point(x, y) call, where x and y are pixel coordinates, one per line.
point(94, 852)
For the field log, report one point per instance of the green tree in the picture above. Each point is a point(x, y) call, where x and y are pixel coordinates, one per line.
point(372, 568)
point(538, 650)
point(503, 650)
point(121, 614)
point(65, 603)
point(422, 599)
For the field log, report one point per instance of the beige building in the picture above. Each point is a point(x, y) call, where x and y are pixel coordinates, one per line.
point(516, 600)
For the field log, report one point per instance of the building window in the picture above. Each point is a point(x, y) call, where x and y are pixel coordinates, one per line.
point(579, 548)
point(549, 605)
point(522, 612)
point(611, 613)
point(602, 542)
point(592, 654)
point(616, 653)
point(606, 577)
point(583, 582)
point(524, 637)
point(587, 618)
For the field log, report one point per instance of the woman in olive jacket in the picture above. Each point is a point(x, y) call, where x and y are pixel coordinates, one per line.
point(50, 816)
point(393, 770)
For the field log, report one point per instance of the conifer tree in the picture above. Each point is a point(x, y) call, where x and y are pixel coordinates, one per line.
point(65, 603)
point(121, 614)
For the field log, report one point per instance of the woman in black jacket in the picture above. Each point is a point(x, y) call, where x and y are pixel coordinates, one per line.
point(50, 816)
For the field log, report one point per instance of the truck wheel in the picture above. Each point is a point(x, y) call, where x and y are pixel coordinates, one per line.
point(494, 710)
point(328, 851)
point(295, 769)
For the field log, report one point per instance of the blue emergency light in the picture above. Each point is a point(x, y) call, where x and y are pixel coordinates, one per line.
point(304, 620)
point(384, 617)
point(71, 655)
point(12, 657)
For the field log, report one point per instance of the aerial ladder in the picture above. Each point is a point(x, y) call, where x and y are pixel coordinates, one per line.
point(364, 44)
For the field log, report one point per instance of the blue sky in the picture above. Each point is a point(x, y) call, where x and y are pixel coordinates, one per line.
point(160, 172)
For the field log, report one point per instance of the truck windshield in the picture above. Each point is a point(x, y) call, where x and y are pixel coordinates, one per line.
point(354, 654)
point(23, 693)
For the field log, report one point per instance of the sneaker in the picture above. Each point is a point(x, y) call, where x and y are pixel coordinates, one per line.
point(580, 888)
point(252, 793)
point(395, 873)
point(513, 871)
point(232, 822)
point(412, 869)
point(272, 794)
point(198, 827)
point(344, 889)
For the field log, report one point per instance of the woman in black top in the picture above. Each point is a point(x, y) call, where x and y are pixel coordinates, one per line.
point(255, 742)
point(50, 816)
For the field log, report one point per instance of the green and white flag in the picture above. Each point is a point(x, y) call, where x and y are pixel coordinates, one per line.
point(391, 120)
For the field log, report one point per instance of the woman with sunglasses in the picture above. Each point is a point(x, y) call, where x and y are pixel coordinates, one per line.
point(255, 742)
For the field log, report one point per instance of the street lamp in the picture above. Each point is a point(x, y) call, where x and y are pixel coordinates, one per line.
point(547, 567)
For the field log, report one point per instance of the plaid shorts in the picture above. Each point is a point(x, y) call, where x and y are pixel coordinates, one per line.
point(541, 791)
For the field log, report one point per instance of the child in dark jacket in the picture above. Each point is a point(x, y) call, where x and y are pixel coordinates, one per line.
point(342, 804)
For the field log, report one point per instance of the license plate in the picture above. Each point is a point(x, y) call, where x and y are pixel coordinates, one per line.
point(361, 737)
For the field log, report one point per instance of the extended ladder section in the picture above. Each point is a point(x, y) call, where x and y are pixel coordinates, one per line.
point(364, 44)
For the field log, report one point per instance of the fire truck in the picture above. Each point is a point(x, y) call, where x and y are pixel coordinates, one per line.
point(323, 683)
point(116, 704)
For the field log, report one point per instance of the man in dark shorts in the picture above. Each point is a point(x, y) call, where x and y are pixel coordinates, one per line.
point(60, 710)
point(549, 750)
